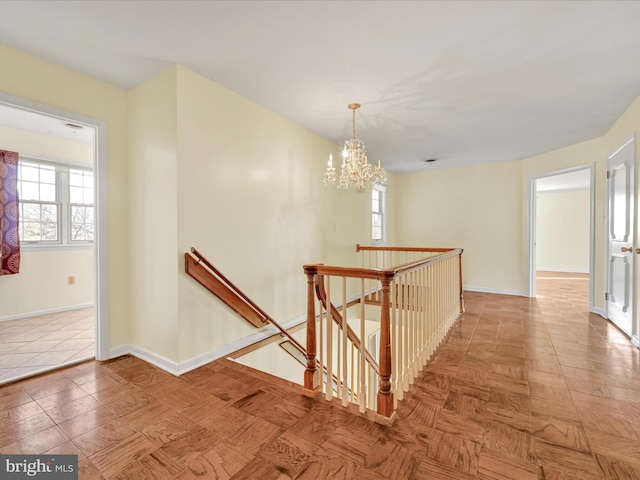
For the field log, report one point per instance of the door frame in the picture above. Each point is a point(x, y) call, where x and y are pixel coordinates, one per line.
point(634, 308)
point(532, 217)
point(100, 242)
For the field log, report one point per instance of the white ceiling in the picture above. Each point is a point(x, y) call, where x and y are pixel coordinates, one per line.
point(576, 180)
point(44, 124)
point(463, 82)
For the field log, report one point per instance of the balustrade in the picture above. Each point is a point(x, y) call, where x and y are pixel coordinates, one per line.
point(391, 314)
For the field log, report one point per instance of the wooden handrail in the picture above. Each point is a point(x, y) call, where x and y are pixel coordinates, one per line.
point(407, 267)
point(337, 318)
point(427, 334)
point(214, 281)
point(379, 273)
point(360, 248)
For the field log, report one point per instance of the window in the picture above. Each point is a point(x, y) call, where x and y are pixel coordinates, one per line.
point(377, 213)
point(39, 205)
point(81, 205)
point(56, 203)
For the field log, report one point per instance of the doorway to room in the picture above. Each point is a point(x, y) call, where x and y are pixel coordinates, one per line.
point(54, 313)
point(561, 232)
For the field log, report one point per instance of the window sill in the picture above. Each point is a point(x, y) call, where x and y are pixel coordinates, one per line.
point(36, 247)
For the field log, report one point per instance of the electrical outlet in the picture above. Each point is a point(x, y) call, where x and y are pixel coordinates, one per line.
point(72, 280)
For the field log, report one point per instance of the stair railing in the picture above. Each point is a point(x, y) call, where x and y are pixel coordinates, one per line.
point(198, 267)
point(418, 302)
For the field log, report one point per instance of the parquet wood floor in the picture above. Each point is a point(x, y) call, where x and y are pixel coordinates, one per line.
point(520, 389)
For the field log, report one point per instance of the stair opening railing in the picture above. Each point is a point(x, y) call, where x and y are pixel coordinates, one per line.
point(198, 267)
point(418, 301)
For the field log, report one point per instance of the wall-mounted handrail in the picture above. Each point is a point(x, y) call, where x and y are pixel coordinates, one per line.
point(214, 281)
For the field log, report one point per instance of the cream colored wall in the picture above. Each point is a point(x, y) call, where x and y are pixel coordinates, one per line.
point(45, 147)
point(153, 218)
point(43, 280)
point(562, 231)
point(484, 209)
point(42, 284)
point(477, 208)
point(251, 199)
point(34, 79)
point(585, 153)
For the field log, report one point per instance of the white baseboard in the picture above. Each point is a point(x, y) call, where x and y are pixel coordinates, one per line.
point(636, 341)
point(598, 311)
point(37, 313)
point(180, 368)
point(498, 291)
point(562, 270)
point(159, 361)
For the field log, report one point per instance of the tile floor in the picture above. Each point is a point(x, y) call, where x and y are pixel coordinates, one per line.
point(36, 344)
point(521, 389)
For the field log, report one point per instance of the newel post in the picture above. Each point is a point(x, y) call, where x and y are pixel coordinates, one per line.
point(312, 373)
point(385, 396)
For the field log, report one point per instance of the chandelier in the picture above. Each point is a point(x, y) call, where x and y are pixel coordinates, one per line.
point(355, 172)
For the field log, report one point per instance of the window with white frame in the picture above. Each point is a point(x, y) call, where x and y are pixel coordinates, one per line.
point(378, 193)
point(81, 205)
point(56, 203)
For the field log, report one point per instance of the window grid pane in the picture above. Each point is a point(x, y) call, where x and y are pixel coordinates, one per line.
point(81, 223)
point(40, 222)
point(80, 187)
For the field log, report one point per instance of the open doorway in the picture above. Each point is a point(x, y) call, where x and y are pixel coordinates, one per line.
point(53, 312)
point(561, 233)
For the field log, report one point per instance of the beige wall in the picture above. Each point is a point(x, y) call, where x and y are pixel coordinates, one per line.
point(251, 199)
point(484, 209)
point(42, 284)
point(45, 147)
point(153, 164)
point(585, 153)
point(34, 79)
point(244, 185)
point(213, 170)
point(562, 231)
point(444, 204)
point(477, 208)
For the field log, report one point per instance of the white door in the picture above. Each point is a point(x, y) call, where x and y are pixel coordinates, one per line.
point(620, 232)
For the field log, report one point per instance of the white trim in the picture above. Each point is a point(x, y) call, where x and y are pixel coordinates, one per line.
point(607, 279)
point(20, 316)
point(635, 340)
point(598, 311)
point(48, 247)
point(532, 207)
point(100, 172)
point(498, 291)
point(225, 350)
point(180, 368)
point(562, 270)
point(383, 214)
point(531, 226)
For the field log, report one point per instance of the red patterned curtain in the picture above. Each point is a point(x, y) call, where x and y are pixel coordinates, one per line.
point(9, 241)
